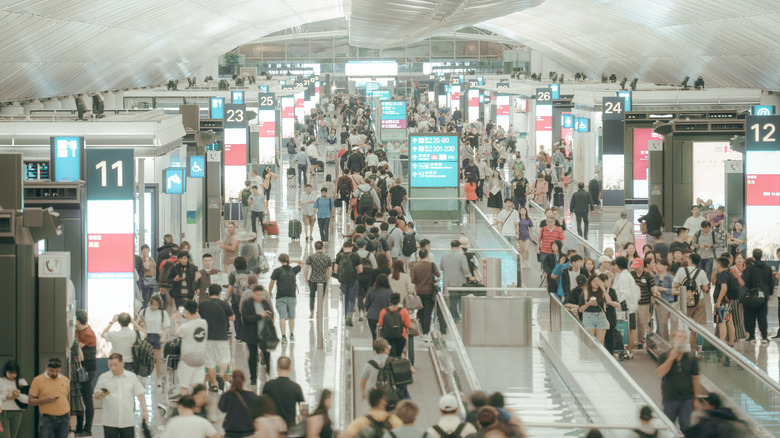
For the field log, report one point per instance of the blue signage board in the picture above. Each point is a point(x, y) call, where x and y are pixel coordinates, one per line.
point(461, 78)
point(197, 166)
point(480, 80)
point(434, 161)
point(263, 88)
point(217, 110)
point(394, 109)
point(237, 97)
point(383, 94)
point(626, 95)
point(67, 158)
point(174, 180)
point(582, 124)
point(555, 90)
point(567, 121)
point(763, 110)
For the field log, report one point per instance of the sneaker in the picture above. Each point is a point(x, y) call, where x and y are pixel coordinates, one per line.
point(764, 341)
point(284, 339)
point(311, 315)
point(292, 337)
point(639, 346)
point(253, 381)
point(84, 433)
point(752, 340)
point(777, 336)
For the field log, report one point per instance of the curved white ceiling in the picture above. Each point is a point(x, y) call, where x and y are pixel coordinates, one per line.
point(56, 47)
point(729, 43)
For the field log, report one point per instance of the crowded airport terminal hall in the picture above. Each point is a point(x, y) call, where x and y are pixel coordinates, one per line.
point(390, 219)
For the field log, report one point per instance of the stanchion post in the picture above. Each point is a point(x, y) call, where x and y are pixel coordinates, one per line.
point(320, 316)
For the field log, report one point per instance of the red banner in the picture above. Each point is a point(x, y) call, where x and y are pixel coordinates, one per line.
point(267, 129)
point(235, 155)
point(108, 253)
point(543, 123)
point(763, 190)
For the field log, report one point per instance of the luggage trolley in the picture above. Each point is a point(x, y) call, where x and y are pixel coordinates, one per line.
point(170, 388)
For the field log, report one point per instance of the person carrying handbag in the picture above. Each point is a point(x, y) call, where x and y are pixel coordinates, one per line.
point(235, 404)
point(253, 311)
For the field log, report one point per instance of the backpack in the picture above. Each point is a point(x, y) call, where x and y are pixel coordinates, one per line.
point(345, 187)
point(241, 284)
point(347, 273)
point(366, 201)
point(165, 273)
point(392, 324)
point(377, 245)
point(245, 196)
point(734, 290)
point(291, 147)
point(548, 176)
point(691, 288)
point(375, 429)
point(143, 356)
point(409, 244)
point(593, 185)
point(385, 381)
point(367, 266)
point(455, 434)
point(382, 184)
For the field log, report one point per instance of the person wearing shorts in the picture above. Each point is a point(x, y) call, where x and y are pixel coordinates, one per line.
point(723, 308)
point(284, 278)
point(593, 303)
point(193, 333)
point(218, 314)
point(156, 322)
point(307, 211)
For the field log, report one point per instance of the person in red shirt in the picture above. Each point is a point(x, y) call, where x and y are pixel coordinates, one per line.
point(391, 331)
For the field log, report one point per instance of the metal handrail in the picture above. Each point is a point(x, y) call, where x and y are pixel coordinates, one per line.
point(342, 412)
point(743, 362)
point(558, 306)
point(460, 348)
point(492, 227)
point(542, 425)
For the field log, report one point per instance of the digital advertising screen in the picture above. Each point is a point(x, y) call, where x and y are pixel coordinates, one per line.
point(67, 158)
point(266, 115)
point(641, 160)
point(110, 237)
point(455, 97)
point(393, 114)
point(502, 111)
point(544, 118)
point(473, 104)
point(762, 184)
point(235, 150)
point(613, 170)
point(709, 179)
point(434, 161)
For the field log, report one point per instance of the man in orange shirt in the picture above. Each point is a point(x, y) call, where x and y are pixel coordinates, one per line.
point(49, 391)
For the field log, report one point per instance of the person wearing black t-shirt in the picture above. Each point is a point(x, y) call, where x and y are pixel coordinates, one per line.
point(283, 278)
point(218, 314)
point(679, 373)
point(682, 241)
point(285, 393)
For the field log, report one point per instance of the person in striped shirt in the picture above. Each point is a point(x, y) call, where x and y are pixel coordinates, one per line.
point(549, 233)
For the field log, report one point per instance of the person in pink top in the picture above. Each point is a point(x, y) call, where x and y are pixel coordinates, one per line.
point(540, 188)
point(394, 321)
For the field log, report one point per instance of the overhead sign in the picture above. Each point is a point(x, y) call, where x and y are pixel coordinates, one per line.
point(480, 80)
point(626, 95)
point(67, 158)
point(582, 124)
point(434, 160)
point(762, 110)
point(196, 167)
point(762, 182)
point(393, 114)
point(555, 90)
point(174, 181)
point(217, 107)
point(264, 88)
point(502, 86)
point(266, 129)
point(567, 120)
point(613, 108)
point(110, 234)
point(383, 94)
point(237, 97)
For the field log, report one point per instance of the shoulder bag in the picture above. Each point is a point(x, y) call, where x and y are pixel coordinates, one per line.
point(754, 297)
point(435, 288)
point(413, 302)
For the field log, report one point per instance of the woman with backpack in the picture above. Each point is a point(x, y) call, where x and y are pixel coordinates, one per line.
point(377, 298)
point(394, 321)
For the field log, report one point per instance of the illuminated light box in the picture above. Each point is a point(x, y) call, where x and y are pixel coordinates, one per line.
point(174, 181)
point(110, 237)
point(543, 114)
point(502, 111)
point(197, 166)
point(288, 117)
point(641, 160)
point(371, 68)
point(626, 95)
point(473, 104)
point(264, 88)
point(709, 178)
point(35, 170)
point(266, 129)
point(567, 128)
point(434, 161)
point(455, 97)
point(762, 183)
point(235, 171)
point(237, 97)
point(613, 170)
point(216, 110)
point(67, 158)
point(582, 124)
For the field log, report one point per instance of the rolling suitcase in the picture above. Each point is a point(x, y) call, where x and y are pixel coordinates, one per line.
point(271, 228)
point(294, 230)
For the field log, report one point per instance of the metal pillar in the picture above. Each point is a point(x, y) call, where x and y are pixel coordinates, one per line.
point(320, 316)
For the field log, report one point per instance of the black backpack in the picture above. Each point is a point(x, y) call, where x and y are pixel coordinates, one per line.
point(392, 324)
point(165, 273)
point(409, 244)
point(291, 147)
point(689, 282)
point(347, 272)
point(385, 381)
point(455, 434)
point(593, 185)
point(245, 196)
point(366, 201)
point(345, 187)
point(734, 290)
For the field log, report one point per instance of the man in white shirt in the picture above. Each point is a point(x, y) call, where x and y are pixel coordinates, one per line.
point(187, 424)
point(122, 340)
point(117, 389)
point(307, 211)
point(691, 274)
point(628, 291)
point(693, 223)
point(450, 423)
point(508, 222)
point(193, 333)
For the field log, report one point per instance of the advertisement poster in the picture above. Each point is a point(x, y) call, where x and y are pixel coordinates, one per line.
point(762, 190)
point(641, 162)
point(709, 179)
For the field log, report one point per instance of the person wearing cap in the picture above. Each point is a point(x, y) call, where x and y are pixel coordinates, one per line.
point(627, 292)
point(450, 422)
point(572, 299)
point(49, 391)
point(605, 266)
point(718, 421)
point(679, 374)
point(356, 162)
point(647, 288)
